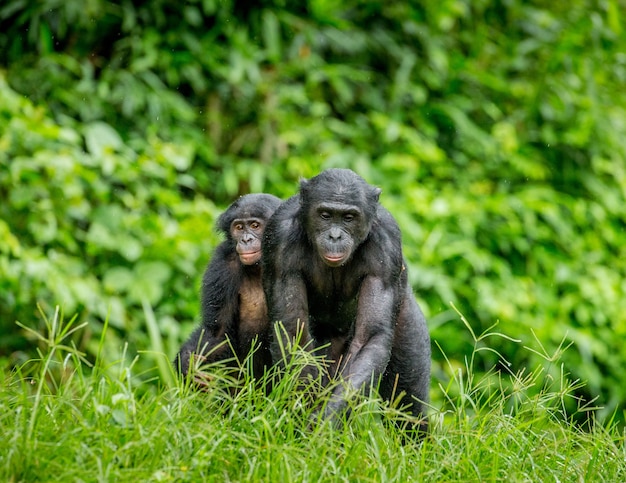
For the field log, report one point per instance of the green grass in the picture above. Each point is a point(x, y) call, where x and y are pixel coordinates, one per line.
point(62, 420)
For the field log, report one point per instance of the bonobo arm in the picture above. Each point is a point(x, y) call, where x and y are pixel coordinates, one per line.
point(289, 306)
point(220, 310)
point(219, 296)
point(370, 349)
point(284, 253)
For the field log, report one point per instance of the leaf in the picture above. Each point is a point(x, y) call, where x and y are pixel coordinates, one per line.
point(271, 35)
point(179, 155)
point(148, 281)
point(118, 279)
point(101, 138)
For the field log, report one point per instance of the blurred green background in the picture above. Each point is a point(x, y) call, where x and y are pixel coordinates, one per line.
point(496, 129)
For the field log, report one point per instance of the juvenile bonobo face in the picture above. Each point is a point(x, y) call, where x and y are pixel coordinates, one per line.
point(247, 234)
point(244, 223)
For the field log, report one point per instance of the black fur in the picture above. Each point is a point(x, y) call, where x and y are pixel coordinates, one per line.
point(333, 260)
point(232, 300)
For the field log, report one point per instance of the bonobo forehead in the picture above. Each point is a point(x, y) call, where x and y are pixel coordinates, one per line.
point(258, 205)
point(334, 207)
point(255, 206)
point(340, 187)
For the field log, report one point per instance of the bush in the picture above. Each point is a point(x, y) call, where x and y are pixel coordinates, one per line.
point(96, 226)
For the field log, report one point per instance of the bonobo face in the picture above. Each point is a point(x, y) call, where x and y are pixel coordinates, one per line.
point(336, 230)
point(247, 234)
point(337, 208)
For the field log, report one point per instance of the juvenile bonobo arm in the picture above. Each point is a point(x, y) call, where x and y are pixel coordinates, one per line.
point(370, 349)
point(220, 309)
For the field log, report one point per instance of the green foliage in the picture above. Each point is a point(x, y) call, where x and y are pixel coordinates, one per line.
point(96, 226)
point(494, 128)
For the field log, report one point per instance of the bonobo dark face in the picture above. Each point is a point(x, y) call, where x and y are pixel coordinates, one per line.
point(338, 208)
point(248, 233)
point(335, 227)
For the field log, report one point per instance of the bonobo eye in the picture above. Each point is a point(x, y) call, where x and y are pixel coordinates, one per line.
point(348, 217)
point(238, 226)
point(255, 225)
point(325, 215)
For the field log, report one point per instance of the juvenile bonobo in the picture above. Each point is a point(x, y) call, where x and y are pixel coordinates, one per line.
point(333, 268)
point(233, 305)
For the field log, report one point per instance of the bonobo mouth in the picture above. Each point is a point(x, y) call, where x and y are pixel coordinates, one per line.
point(248, 258)
point(333, 260)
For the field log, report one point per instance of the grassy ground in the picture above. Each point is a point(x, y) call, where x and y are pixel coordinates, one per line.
point(62, 420)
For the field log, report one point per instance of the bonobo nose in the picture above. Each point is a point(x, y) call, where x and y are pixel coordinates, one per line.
point(335, 234)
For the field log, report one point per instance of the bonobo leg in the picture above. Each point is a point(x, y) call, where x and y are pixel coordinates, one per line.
point(408, 371)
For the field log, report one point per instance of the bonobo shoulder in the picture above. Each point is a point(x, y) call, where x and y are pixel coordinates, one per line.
point(385, 230)
point(385, 218)
point(288, 209)
point(383, 247)
point(279, 227)
point(285, 219)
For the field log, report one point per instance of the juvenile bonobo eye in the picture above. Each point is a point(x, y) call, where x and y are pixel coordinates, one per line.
point(255, 225)
point(238, 226)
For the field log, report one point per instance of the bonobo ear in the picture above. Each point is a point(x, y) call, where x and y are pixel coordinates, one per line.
point(304, 184)
point(376, 193)
point(223, 222)
point(226, 218)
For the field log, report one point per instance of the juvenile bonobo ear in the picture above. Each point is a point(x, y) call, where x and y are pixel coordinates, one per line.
point(225, 219)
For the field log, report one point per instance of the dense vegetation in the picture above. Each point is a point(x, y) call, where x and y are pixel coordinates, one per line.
point(496, 130)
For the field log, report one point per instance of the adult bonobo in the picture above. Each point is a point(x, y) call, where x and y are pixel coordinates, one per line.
point(233, 305)
point(333, 269)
